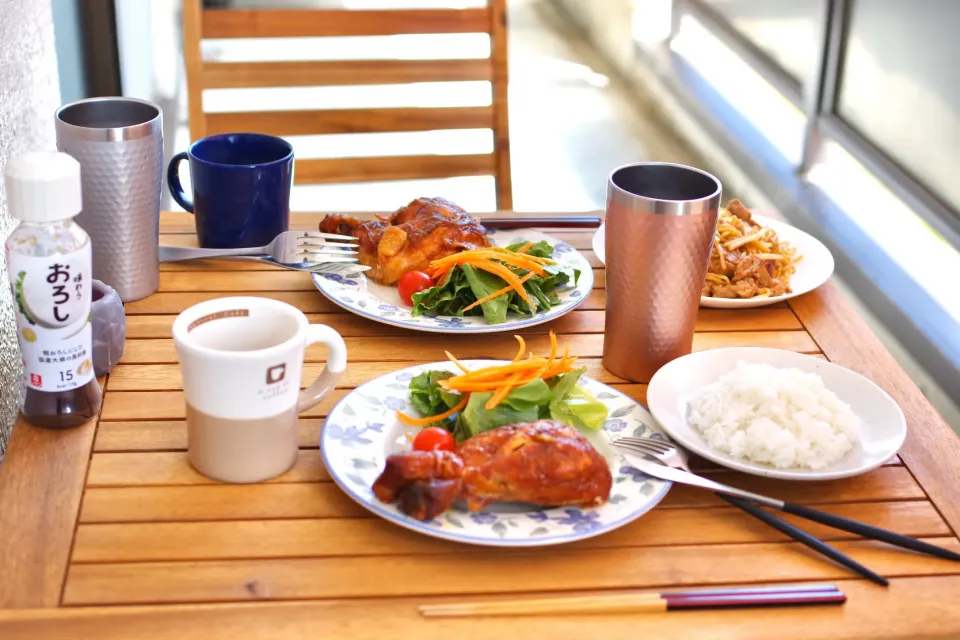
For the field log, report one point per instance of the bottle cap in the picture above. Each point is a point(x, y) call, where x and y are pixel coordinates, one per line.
point(43, 186)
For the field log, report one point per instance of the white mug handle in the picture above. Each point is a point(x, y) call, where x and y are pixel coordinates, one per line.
point(336, 363)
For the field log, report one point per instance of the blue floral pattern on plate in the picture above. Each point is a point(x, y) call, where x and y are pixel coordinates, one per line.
point(355, 292)
point(362, 430)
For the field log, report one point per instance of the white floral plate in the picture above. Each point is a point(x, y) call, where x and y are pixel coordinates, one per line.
point(813, 270)
point(362, 430)
point(357, 293)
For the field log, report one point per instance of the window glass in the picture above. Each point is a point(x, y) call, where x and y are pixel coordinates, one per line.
point(786, 30)
point(901, 89)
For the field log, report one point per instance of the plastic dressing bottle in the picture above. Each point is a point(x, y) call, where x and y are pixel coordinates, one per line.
point(49, 263)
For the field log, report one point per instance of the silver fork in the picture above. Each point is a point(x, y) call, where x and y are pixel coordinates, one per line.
point(291, 249)
point(660, 450)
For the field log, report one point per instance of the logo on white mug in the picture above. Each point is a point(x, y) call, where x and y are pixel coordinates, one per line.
point(276, 373)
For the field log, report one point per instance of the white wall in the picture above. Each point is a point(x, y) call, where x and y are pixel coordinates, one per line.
point(29, 95)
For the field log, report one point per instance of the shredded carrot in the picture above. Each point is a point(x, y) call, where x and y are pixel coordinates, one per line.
point(510, 277)
point(496, 260)
point(527, 257)
point(498, 292)
point(439, 275)
point(523, 347)
point(423, 422)
point(490, 374)
point(496, 253)
point(565, 364)
point(506, 257)
point(498, 397)
point(512, 261)
point(500, 379)
point(456, 362)
point(525, 248)
point(553, 347)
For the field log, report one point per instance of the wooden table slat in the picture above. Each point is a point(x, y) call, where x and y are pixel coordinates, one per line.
point(582, 320)
point(431, 348)
point(41, 484)
point(172, 468)
point(478, 571)
point(314, 538)
point(210, 502)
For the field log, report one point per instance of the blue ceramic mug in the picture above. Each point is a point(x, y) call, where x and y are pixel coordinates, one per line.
point(241, 188)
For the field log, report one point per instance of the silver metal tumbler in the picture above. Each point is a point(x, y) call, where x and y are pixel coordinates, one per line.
point(660, 223)
point(119, 144)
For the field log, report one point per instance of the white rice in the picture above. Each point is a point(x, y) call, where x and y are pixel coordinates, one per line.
point(781, 417)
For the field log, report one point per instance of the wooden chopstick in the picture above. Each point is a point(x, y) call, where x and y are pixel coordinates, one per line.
point(606, 603)
point(643, 602)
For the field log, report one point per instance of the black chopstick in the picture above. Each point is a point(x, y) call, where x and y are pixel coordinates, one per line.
point(555, 222)
point(869, 531)
point(805, 538)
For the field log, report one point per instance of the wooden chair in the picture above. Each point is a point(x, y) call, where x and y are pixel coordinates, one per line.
point(199, 24)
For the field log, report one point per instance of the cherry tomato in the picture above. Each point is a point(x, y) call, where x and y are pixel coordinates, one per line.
point(413, 282)
point(434, 438)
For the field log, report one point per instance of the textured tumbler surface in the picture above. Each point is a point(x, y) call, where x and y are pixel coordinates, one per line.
point(121, 209)
point(656, 265)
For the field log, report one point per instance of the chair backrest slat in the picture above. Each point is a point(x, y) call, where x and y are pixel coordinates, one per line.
point(367, 169)
point(300, 123)
point(305, 23)
point(200, 24)
point(313, 73)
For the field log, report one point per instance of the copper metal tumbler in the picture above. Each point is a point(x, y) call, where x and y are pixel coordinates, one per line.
point(659, 228)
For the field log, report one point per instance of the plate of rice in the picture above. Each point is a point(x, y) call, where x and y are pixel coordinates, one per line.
point(776, 413)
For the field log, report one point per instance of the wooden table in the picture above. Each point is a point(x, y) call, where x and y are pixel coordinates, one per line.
point(107, 532)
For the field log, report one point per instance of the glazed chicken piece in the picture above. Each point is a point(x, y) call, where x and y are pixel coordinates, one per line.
point(410, 238)
point(544, 463)
point(408, 467)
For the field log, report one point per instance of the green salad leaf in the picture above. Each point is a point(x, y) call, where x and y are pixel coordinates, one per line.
point(483, 284)
point(428, 397)
point(541, 249)
point(463, 285)
point(521, 405)
point(559, 398)
point(574, 405)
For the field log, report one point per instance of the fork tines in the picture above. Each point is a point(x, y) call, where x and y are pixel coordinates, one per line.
point(328, 259)
point(326, 236)
point(329, 250)
point(647, 443)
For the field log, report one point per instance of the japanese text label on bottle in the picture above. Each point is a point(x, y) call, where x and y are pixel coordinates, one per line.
point(53, 295)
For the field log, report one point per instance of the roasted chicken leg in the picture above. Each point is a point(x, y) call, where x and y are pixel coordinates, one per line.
point(544, 463)
point(410, 238)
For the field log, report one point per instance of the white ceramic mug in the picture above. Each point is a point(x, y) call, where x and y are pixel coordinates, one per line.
point(241, 360)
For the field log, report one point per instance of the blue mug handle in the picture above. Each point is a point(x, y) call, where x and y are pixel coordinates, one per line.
point(173, 181)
